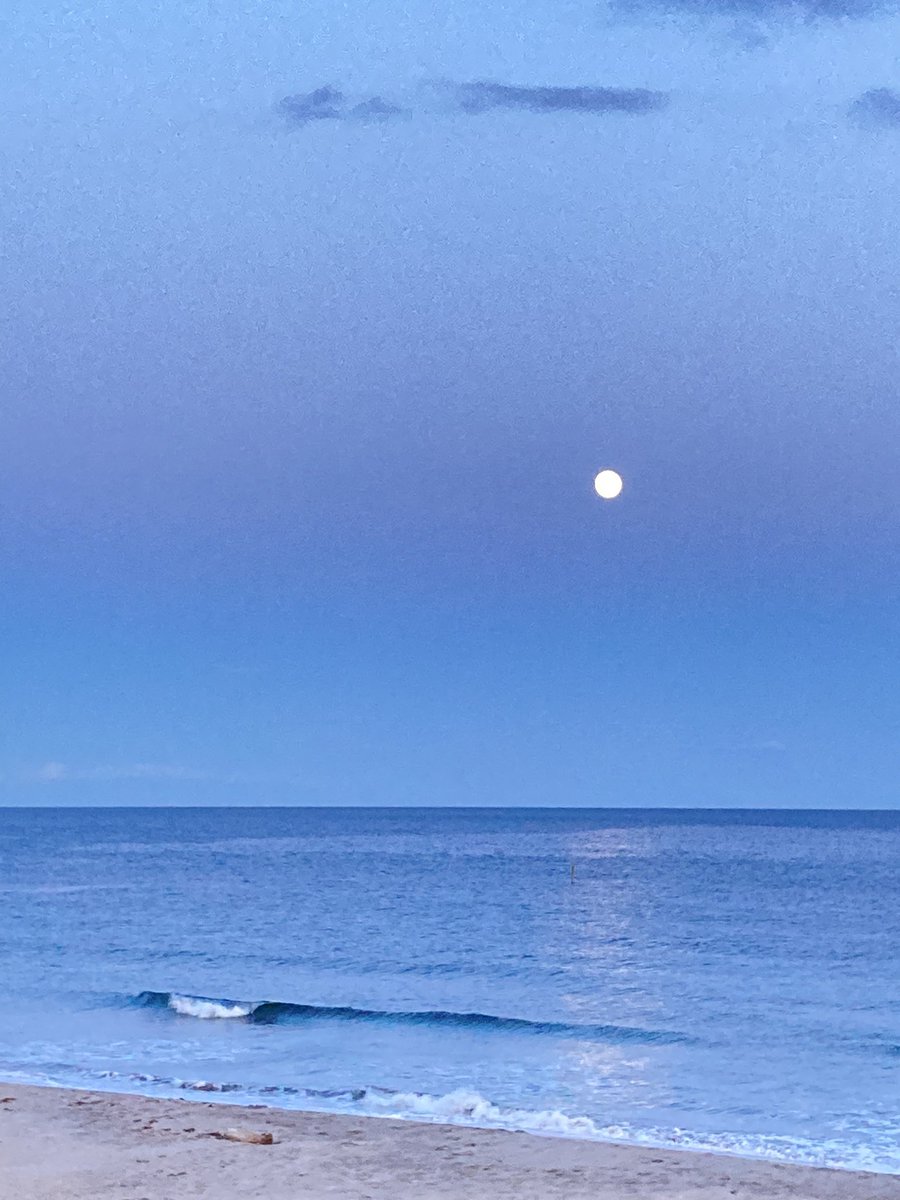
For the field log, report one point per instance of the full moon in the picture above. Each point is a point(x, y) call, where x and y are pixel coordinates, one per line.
point(608, 484)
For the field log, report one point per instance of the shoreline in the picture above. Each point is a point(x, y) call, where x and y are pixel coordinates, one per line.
point(59, 1143)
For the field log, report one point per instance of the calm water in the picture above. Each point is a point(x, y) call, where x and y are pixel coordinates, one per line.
point(725, 980)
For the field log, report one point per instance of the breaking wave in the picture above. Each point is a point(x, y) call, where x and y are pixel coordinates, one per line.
point(273, 1012)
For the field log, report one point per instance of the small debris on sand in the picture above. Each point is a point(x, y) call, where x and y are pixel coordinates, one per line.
point(243, 1135)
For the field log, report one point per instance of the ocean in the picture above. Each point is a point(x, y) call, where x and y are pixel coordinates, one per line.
point(720, 980)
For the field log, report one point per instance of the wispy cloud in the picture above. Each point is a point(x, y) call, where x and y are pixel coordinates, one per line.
point(329, 104)
point(58, 772)
point(767, 11)
point(878, 106)
point(758, 746)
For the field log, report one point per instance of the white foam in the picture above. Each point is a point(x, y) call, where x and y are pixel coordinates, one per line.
point(471, 1108)
point(464, 1107)
point(208, 1010)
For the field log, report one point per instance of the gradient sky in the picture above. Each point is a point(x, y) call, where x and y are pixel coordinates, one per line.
point(299, 419)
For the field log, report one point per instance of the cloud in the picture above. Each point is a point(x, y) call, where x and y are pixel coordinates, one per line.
point(324, 104)
point(328, 104)
point(479, 97)
point(769, 11)
point(878, 106)
point(51, 772)
point(376, 108)
point(763, 746)
point(57, 772)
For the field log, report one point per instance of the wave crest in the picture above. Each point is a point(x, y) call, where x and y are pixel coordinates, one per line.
point(276, 1012)
point(207, 1010)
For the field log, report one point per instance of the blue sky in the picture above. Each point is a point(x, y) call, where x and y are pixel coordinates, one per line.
point(299, 414)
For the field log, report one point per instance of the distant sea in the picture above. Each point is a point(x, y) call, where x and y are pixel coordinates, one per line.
point(720, 980)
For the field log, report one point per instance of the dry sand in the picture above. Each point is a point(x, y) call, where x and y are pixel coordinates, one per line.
point(69, 1145)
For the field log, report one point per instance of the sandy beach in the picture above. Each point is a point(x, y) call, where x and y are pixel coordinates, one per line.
point(70, 1145)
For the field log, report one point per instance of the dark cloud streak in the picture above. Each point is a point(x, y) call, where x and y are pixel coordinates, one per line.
point(328, 104)
point(479, 97)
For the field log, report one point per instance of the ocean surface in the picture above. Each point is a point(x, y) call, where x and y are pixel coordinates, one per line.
point(724, 980)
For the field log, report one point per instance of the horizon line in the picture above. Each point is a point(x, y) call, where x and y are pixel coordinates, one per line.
point(447, 808)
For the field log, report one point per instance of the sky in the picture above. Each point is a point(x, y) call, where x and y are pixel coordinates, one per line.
point(319, 321)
